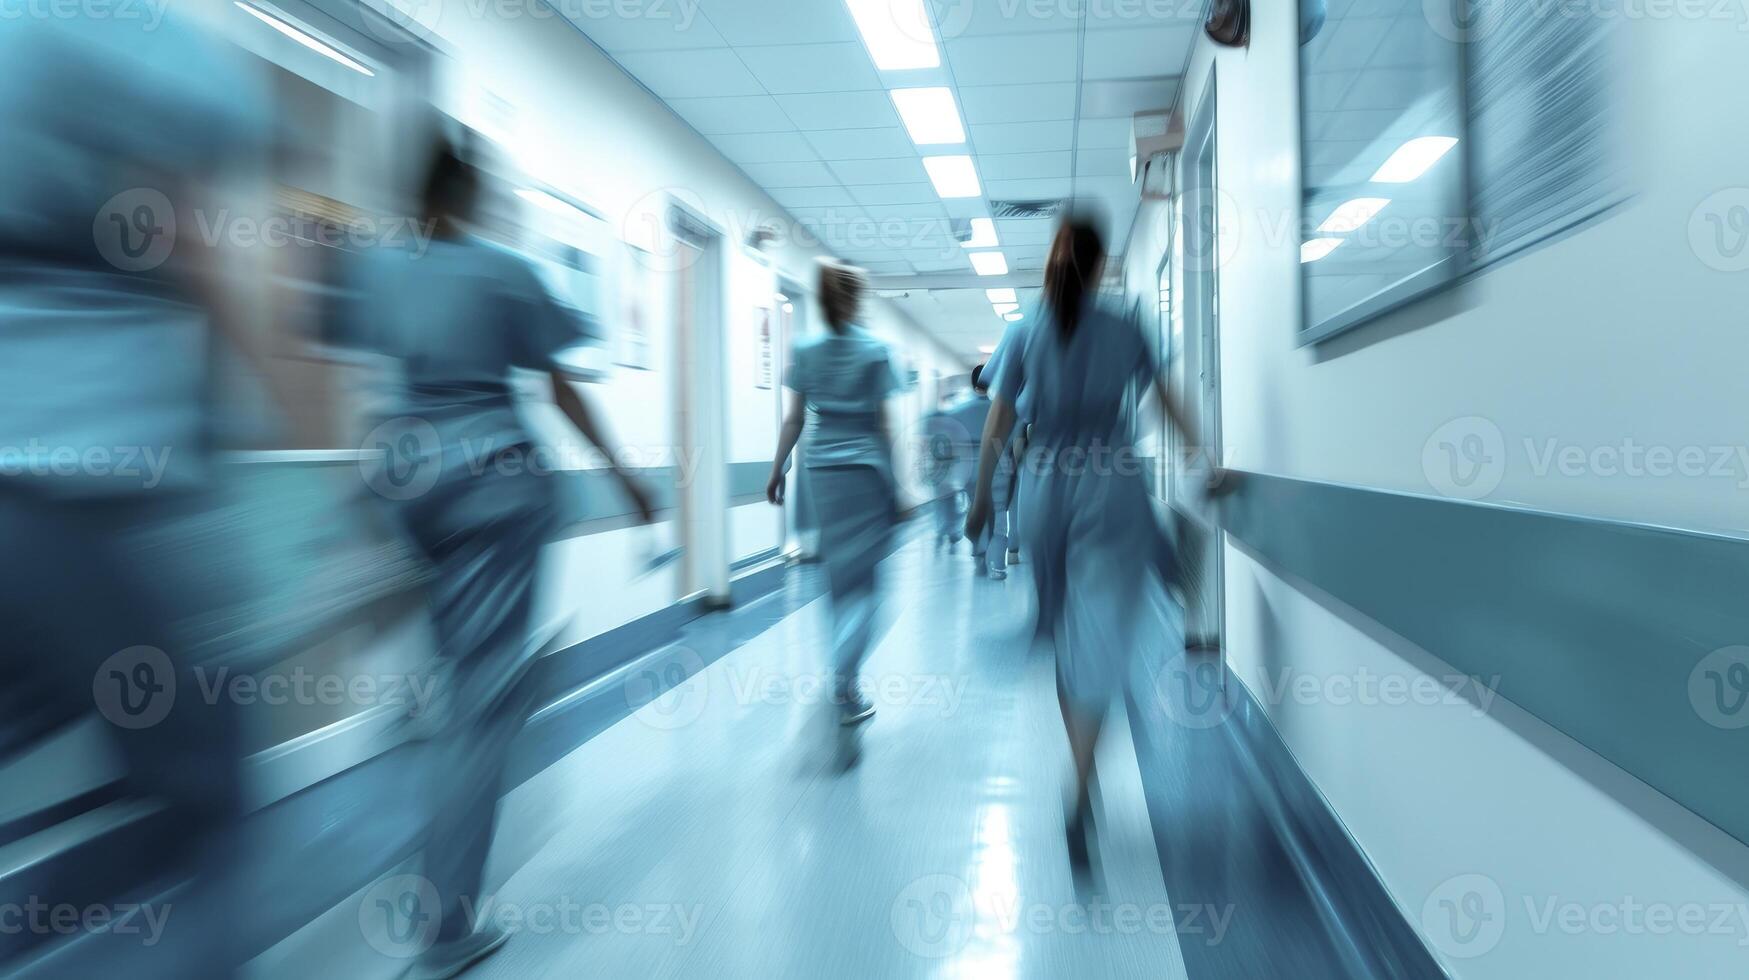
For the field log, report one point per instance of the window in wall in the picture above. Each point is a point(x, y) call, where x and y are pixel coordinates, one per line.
point(1381, 112)
point(1437, 136)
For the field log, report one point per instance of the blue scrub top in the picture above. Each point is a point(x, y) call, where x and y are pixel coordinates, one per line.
point(1082, 390)
point(845, 380)
point(459, 318)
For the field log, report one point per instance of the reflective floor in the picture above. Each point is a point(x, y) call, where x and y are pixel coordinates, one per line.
point(711, 832)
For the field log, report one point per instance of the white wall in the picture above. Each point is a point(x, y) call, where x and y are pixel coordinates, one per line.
point(1619, 332)
point(567, 115)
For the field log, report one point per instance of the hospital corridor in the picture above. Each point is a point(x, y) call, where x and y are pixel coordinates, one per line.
point(938, 489)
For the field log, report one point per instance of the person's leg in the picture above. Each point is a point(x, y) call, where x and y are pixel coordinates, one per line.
point(471, 773)
point(482, 599)
point(87, 629)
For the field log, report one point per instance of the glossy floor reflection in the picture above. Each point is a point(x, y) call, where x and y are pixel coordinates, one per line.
point(709, 834)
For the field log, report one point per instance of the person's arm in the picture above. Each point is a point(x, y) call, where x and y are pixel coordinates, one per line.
point(997, 427)
point(786, 444)
point(571, 402)
point(1217, 482)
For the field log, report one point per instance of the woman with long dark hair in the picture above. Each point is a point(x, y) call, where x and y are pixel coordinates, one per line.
point(841, 382)
point(1090, 528)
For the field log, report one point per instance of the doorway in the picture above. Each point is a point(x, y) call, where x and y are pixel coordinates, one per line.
point(699, 402)
point(1197, 242)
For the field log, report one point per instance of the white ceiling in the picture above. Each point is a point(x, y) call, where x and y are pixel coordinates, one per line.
point(787, 91)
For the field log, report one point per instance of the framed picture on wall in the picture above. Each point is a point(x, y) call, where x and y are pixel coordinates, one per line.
point(638, 283)
point(764, 370)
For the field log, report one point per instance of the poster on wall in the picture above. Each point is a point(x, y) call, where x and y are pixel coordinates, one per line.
point(763, 368)
point(638, 285)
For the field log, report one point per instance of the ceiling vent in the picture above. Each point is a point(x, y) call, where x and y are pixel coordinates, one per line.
point(1026, 209)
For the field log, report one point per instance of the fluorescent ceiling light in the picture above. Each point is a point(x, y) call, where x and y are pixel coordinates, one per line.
point(1413, 159)
point(547, 202)
point(930, 115)
point(1003, 309)
point(1000, 295)
point(781, 298)
point(983, 234)
point(990, 263)
point(897, 32)
point(1311, 251)
point(987, 349)
point(953, 176)
point(1015, 317)
point(1350, 215)
point(304, 38)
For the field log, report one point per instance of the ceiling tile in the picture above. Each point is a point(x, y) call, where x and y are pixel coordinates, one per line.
point(896, 170)
point(1022, 166)
point(788, 69)
point(1324, 89)
point(712, 72)
point(889, 268)
point(618, 34)
point(946, 263)
point(1348, 43)
point(1112, 191)
point(966, 207)
point(973, 18)
point(1026, 190)
point(840, 110)
point(746, 22)
point(1013, 59)
point(1356, 124)
point(1141, 52)
point(1389, 88)
point(811, 197)
point(1105, 162)
point(740, 114)
point(878, 194)
point(809, 173)
point(829, 216)
point(1024, 137)
point(1103, 134)
point(1025, 231)
point(1125, 98)
point(765, 147)
point(908, 212)
point(860, 144)
point(1017, 103)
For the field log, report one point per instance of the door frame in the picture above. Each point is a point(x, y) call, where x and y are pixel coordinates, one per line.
point(700, 402)
point(1200, 269)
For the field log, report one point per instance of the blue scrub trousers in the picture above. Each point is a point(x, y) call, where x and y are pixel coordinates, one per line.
point(856, 508)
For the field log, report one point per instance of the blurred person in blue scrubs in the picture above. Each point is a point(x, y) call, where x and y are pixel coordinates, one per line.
point(120, 137)
point(1010, 509)
point(942, 443)
point(840, 383)
point(990, 549)
point(459, 318)
point(1091, 527)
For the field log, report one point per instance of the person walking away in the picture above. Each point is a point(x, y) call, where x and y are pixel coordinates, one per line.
point(840, 384)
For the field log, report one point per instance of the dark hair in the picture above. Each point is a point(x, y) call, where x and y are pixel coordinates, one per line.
point(1077, 253)
point(451, 186)
point(841, 290)
point(978, 382)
